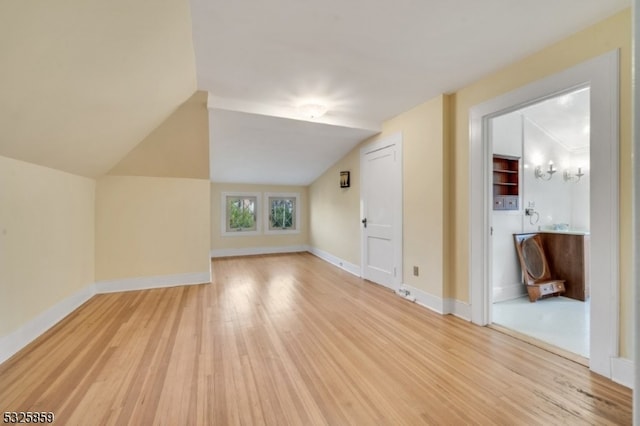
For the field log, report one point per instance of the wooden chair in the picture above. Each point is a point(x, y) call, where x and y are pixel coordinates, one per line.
point(535, 269)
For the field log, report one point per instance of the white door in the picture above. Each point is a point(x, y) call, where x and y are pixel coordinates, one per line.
point(381, 165)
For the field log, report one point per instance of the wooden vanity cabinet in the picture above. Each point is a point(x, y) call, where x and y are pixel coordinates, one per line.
point(568, 257)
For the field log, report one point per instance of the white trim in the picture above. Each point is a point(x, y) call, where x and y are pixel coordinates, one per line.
point(391, 140)
point(267, 210)
point(622, 371)
point(422, 298)
point(252, 251)
point(457, 308)
point(605, 155)
point(601, 73)
point(223, 214)
point(18, 339)
point(635, 155)
point(336, 261)
point(509, 292)
point(442, 306)
point(146, 283)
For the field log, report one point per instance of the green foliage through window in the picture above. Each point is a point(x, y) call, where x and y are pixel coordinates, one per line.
point(282, 214)
point(241, 213)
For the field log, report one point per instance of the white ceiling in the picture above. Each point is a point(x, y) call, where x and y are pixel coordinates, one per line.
point(566, 118)
point(367, 61)
point(271, 150)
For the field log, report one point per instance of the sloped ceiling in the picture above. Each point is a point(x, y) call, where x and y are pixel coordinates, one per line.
point(83, 82)
point(179, 147)
point(274, 150)
point(366, 61)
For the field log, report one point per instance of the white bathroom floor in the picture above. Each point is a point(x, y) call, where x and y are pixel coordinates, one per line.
point(559, 321)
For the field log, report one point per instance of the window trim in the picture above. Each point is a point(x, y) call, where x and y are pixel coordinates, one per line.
point(267, 210)
point(224, 211)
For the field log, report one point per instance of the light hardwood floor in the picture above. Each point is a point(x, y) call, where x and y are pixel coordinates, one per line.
point(289, 339)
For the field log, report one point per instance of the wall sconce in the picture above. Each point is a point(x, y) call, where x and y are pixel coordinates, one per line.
point(345, 179)
point(546, 175)
point(568, 177)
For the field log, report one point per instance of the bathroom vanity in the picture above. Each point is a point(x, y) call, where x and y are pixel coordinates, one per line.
point(568, 256)
point(567, 253)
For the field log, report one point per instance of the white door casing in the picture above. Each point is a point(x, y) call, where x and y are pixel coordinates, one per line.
point(381, 211)
point(601, 74)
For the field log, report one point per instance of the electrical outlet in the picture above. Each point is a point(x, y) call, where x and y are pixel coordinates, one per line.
point(416, 271)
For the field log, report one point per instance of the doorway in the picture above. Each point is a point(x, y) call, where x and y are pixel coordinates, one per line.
point(381, 211)
point(601, 74)
point(547, 146)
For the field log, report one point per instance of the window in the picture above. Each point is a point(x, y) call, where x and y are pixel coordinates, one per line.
point(282, 213)
point(240, 213)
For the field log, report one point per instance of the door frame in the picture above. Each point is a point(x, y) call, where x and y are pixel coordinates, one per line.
point(602, 75)
point(385, 142)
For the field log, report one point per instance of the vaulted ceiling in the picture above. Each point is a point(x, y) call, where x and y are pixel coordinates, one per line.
point(82, 83)
point(366, 61)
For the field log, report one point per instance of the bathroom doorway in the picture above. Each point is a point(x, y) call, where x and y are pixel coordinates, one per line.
point(601, 74)
point(541, 186)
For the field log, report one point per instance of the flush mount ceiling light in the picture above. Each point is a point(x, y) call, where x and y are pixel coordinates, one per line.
point(312, 110)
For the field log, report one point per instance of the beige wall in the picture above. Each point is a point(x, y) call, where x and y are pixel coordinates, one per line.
point(179, 147)
point(436, 204)
point(220, 242)
point(46, 239)
point(335, 212)
point(151, 227)
point(334, 220)
point(84, 82)
point(605, 36)
point(423, 197)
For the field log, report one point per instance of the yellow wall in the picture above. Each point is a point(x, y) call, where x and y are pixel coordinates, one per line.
point(335, 212)
point(605, 36)
point(436, 234)
point(151, 226)
point(83, 82)
point(423, 193)
point(334, 220)
point(46, 239)
point(179, 147)
point(219, 242)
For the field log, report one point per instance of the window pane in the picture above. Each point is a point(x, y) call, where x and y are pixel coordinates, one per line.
point(241, 213)
point(282, 213)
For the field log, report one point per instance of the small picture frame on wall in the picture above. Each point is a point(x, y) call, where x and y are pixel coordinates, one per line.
point(345, 181)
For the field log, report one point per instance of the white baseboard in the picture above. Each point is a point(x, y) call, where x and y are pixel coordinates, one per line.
point(509, 292)
point(256, 250)
point(15, 341)
point(423, 298)
point(146, 283)
point(457, 308)
point(443, 306)
point(622, 371)
point(336, 261)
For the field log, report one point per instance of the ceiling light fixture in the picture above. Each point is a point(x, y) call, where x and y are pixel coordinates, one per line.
point(312, 110)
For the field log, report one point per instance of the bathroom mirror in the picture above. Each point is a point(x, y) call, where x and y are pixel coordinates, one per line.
point(533, 258)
